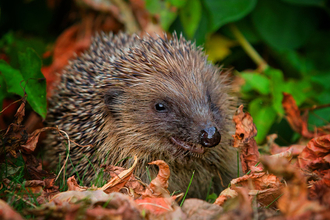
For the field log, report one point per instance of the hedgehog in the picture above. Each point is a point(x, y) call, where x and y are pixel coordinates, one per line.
point(153, 97)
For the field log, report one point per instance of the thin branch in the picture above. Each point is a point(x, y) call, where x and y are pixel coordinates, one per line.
point(251, 52)
point(314, 107)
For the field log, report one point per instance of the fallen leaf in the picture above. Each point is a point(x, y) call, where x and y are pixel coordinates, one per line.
point(294, 201)
point(316, 155)
point(199, 209)
point(118, 182)
point(133, 185)
point(320, 190)
point(156, 205)
point(244, 139)
point(7, 213)
point(158, 186)
point(238, 207)
point(224, 195)
point(74, 186)
point(296, 121)
point(20, 113)
point(292, 151)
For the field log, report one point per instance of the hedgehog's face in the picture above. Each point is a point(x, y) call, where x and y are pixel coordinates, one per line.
point(180, 114)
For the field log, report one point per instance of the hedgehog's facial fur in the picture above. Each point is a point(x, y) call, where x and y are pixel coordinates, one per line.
point(185, 107)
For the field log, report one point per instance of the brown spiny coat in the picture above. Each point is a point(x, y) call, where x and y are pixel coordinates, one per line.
point(107, 98)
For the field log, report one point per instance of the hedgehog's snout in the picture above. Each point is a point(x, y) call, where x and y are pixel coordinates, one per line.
point(210, 137)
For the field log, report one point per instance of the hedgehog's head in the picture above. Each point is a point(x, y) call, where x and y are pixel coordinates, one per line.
point(169, 99)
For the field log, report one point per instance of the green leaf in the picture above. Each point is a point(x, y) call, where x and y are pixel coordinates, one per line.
point(165, 11)
point(257, 81)
point(30, 66)
point(190, 16)
point(226, 11)
point(3, 89)
point(284, 26)
point(307, 2)
point(153, 6)
point(30, 78)
point(300, 90)
point(322, 79)
point(166, 18)
point(263, 117)
point(13, 78)
point(203, 27)
point(277, 86)
point(318, 50)
point(177, 3)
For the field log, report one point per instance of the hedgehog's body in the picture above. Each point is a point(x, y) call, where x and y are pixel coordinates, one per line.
point(154, 98)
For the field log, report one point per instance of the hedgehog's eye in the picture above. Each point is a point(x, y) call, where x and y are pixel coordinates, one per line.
point(160, 107)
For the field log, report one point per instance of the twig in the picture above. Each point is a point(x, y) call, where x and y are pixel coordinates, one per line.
point(127, 16)
point(314, 107)
point(10, 105)
point(251, 52)
point(21, 198)
point(67, 156)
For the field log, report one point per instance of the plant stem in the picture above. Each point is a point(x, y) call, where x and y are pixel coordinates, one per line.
point(187, 189)
point(251, 52)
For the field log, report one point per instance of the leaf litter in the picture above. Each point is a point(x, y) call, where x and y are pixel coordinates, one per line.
point(292, 183)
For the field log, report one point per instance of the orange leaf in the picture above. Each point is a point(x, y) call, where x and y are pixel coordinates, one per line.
point(244, 139)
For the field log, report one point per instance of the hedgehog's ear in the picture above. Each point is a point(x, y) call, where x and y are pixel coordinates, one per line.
point(111, 98)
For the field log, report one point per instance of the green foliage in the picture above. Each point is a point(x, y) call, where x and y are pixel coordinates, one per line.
point(28, 78)
point(283, 26)
point(166, 10)
point(190, 16)
point(226, 11)
point(211, 198)
point(266, 106)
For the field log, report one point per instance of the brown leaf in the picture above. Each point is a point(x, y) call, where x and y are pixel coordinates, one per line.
point(296, 121)
point(20, 113)
point(32, 141)
point(135, 186)
point(320, 190)
point(266, 187)
point(316, 154)
point(244, 139)
point(119, 181)
point(158, 186)
point(156, 205)
point(291, 151)
point(199, 209)
point(294, 201)
point(87, 205)
point(224, 195)
point(238, 207)
point(7, 213)
point(116, 206)
point(74, 186)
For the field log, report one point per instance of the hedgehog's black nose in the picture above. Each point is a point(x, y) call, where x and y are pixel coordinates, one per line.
point(210, 137)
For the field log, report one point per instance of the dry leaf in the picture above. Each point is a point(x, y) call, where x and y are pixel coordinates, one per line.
point(316, 155)
point(158, 186)
point(20, 113)
point(156, 205)
point(296, 121)
point(7, 213)
point(224, 195)
point(244, 139)
point(199, 209)
point(294, 201)
point(118, 182)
